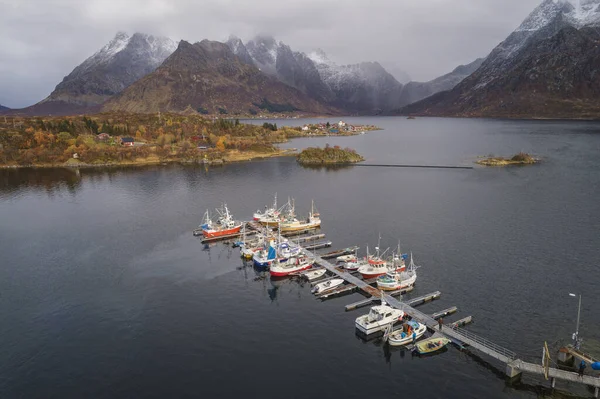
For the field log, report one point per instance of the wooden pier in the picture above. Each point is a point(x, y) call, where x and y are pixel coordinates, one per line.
point(318, 245)
point(453, 331)
point(459, 336)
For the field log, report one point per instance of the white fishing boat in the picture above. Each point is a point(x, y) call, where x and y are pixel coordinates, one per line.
point(286, 251)
point(269, 214)
point(395, 280)
point(375, 265)
point(312, 275)
point(378, 318)
point(410, 332)
point(327, 285)
point(292, 265)
point(290, 223)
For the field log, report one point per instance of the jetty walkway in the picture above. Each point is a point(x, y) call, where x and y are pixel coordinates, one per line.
point(462, 337)
point(459, 336)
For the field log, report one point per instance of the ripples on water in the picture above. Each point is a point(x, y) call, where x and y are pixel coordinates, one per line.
point(105, 292)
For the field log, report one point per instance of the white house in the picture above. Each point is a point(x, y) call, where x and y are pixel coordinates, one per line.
point(341, 123)
point(305, 127)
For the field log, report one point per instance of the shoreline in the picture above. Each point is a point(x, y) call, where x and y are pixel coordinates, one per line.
point(232, 157)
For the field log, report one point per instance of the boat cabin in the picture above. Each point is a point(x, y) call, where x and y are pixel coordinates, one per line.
point(378, 313)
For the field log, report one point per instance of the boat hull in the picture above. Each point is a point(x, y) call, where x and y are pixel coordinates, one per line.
point(370, 275)
point(396, 285)
point(367, 328)
point(315, 274)
point(278, 271)
point(431, 345)
point(299, 227)
point(327, 286)
point(397, 340)
point(221, 233)
point(263, 264)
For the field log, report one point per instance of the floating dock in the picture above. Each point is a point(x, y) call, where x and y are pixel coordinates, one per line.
point(318, 245)
point(462, 337)
point(453, 331)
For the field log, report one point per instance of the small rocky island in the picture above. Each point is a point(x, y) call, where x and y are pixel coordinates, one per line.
point(329, 155)
point(521, 158)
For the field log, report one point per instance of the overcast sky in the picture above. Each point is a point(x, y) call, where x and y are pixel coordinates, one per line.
point(41, 41)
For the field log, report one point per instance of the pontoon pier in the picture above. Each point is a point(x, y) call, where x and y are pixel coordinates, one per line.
point(453, 331)
point(459, 336)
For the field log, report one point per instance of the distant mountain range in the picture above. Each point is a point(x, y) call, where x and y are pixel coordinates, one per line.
point(144, 73)
point(207, 77)
point(124, 60)
point(3, 108)
point(548, 68)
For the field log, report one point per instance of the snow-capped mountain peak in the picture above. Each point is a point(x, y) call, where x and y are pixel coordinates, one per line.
point(318, 56)
point(263, 50)
point(578, 13)
point(117, 44)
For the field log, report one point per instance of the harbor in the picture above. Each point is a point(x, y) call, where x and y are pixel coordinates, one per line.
point(135, 299)
point(336, 279)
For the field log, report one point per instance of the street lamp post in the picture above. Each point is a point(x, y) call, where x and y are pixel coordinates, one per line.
point(576, 340)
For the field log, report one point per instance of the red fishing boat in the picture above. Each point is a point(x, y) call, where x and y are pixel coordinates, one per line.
point(225, 225)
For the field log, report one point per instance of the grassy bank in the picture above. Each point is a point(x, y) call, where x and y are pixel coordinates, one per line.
point(134, 139)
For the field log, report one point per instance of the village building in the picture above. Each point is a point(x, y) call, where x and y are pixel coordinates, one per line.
point(127, 141)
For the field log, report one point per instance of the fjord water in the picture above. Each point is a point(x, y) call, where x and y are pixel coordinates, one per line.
point(105, 293)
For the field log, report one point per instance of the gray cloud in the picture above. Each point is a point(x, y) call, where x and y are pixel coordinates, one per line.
point(43, 40)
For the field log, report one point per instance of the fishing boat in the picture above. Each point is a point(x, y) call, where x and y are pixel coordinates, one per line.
point(290, 223)
point(286, 251)
point(375, 265)
point(378, 318)
point(431, 345)
point(396, 280)
point(312, 275)
point(224, 226)
point(327, 285)
point(292, 265)
point(405, 335)
point(268, 213)
point(264, 257)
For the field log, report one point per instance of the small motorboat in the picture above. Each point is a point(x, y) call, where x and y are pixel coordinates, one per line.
point(353, 266)
point(315, 274)
point(378, 319)
point(405, 335)
point(327, 285)
point(346, 258)
point(431, 345)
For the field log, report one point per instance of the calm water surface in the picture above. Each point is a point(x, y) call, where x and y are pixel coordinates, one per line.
point(105, 293)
